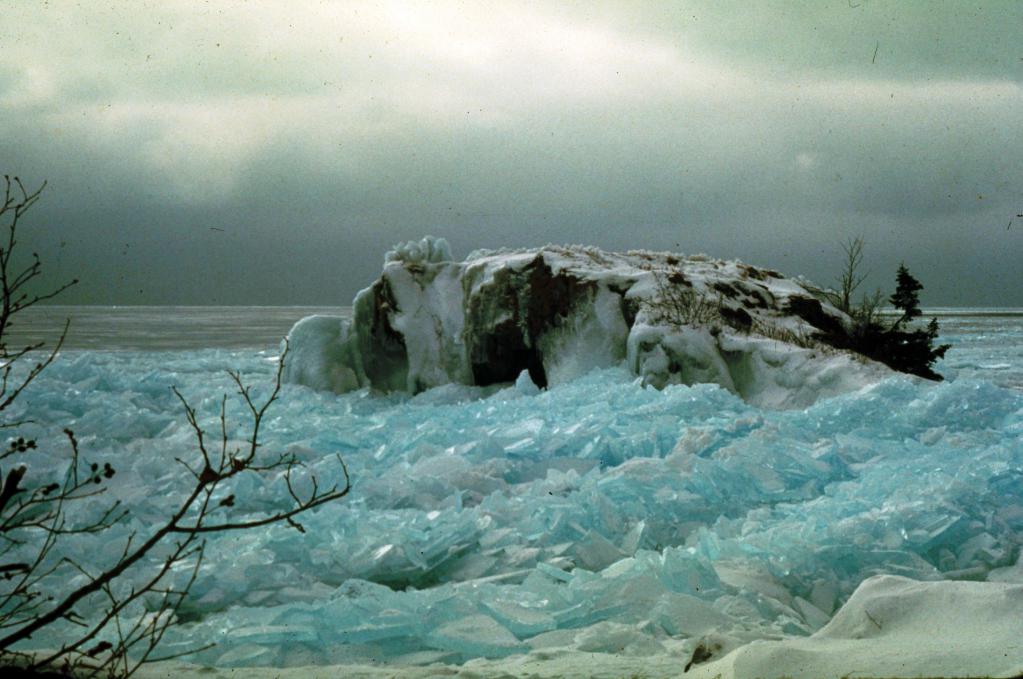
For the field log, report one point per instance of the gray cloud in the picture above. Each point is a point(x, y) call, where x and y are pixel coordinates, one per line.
point(240, 154)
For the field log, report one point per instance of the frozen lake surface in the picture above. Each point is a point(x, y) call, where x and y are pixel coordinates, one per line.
point(598, 515)
point(159, 328)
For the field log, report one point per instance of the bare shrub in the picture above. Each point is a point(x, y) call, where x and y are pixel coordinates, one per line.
point(677, 303)
point(868, 313)
point(800, 338)
point(850, 278)
point(97, 613)
point(17, 296)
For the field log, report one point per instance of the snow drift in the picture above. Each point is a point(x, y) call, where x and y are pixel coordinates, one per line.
point(555, 313)
point(895, 627)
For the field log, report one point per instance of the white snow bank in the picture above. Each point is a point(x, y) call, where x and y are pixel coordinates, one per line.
point(897, 627)
point(559, 312)
point(764, 372)
point(318, 355)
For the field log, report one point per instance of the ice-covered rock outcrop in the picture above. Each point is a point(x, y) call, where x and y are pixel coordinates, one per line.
point(557, 312)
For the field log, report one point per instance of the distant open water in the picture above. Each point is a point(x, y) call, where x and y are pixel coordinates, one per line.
point(163, 328)
point(987, 342)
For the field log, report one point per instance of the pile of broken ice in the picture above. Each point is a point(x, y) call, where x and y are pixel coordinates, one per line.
point(607, 516)
point(600, 514)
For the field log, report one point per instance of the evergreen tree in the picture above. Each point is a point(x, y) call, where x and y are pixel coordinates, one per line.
point(910, 350)
point(905, 297)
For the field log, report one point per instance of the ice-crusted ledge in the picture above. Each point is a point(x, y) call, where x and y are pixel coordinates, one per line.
point(557, 312)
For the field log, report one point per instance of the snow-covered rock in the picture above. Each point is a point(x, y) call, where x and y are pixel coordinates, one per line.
point(559, 312)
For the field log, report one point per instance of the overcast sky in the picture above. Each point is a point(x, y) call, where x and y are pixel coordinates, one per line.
point(270, 152)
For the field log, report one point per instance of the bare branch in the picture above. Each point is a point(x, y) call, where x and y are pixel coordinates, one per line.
point(35, 515)
point(850, 278)
point(35, 371)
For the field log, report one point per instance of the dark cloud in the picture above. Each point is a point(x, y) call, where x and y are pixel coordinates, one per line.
point(270, 157)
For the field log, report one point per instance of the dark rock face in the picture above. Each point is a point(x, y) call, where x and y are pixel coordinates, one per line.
point(811, 311)
point(501, 354)
point(630, 306)
point(553, 297)
point(728, 290)
point(737, 318)
point(535, 300)
point(758, 297)
point(389, 368)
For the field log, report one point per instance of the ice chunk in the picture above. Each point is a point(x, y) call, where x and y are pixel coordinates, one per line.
point(610, 637)
point(594, 551)
point(248, 654)
point(428, 250)
point(269, 635)
point(815, 618)
point(686, 615)
point(524, 384)
point(521, 620)
point(475, 635)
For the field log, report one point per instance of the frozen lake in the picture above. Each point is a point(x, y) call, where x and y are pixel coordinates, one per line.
point(599, 516)
point(157, 328)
